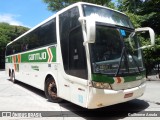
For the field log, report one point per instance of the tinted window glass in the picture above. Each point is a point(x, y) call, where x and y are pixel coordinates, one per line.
point(47, 33)
point(42, 36)
point(77, 56)
point(32, 40)
point(68, 20)
point(73, 55)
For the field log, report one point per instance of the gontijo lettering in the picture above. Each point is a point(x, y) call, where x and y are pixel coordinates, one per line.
point(37, 56)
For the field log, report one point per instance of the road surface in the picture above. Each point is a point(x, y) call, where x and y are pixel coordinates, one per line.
point(24, 101)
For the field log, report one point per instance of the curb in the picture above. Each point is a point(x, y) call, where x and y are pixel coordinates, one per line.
point(153, 78)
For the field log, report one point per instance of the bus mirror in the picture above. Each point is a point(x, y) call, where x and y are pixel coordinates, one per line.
point(151, 36)
point(90, 30)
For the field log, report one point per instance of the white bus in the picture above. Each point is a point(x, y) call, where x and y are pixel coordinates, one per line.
point(87, 54)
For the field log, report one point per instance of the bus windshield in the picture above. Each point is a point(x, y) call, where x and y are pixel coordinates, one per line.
point(107, 15)
point(115, 52)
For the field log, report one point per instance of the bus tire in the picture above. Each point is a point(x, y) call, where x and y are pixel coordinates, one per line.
point(10, 74)
point(13, 77)
point(51, 90)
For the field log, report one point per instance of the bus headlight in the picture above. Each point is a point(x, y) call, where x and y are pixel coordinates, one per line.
point(101, 85)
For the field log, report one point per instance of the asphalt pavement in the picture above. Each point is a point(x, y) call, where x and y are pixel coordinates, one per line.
point(22, 101)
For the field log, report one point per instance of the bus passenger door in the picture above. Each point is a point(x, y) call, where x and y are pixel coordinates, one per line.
point(73, 57)
point(77, 67)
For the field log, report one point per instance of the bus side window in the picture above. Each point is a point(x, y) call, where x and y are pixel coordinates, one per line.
point(47, 33)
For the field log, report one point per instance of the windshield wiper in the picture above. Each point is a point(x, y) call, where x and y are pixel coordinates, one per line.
point(120, 61)
point(125, 60)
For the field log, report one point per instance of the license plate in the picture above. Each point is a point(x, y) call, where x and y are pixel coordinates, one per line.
point(128, 95)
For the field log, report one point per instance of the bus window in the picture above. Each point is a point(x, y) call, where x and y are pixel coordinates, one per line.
point(33, 40)
point(47, 33)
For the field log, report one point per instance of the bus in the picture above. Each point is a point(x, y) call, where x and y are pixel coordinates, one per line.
point(87, 54)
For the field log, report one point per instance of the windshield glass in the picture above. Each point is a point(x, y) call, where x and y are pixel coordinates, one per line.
point(132, 43)
point(112, 53)
point(107, 15)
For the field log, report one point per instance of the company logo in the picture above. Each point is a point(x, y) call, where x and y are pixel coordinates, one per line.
point(37, 56)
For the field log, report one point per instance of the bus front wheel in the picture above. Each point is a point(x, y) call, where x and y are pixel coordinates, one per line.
point(51, 90)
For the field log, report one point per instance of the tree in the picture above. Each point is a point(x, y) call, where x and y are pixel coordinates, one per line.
point(7, 34)
point(143, 14)
point(131, 6)
point(151, 17)
point(151, 12)
point(56, 5)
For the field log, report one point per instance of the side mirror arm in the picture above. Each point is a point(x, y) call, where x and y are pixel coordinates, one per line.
point(151, 34)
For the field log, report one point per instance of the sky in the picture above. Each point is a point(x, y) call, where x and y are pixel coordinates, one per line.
point(26, 13)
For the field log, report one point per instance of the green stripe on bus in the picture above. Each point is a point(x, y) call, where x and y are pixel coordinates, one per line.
point(110, 80)
point(53, 50)
point(8, 59)
point(38, 56)
point(34, 56)
point(102, 78)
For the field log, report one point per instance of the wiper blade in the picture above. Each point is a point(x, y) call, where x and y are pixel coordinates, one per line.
point(120, 62)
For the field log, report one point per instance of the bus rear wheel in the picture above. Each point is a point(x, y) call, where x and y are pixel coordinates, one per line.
point(51, 91)
point(12, 77)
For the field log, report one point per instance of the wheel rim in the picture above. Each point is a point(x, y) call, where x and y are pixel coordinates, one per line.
point(13, 77)
point(52, 90)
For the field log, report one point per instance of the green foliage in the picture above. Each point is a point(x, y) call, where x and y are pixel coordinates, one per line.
point(7, 34)
point(135, 19)
point(145, 14)
point(131, 6)
point(56, 5)
point(142, 13)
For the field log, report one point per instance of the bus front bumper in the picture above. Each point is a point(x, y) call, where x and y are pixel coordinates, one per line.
point(103, 97)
